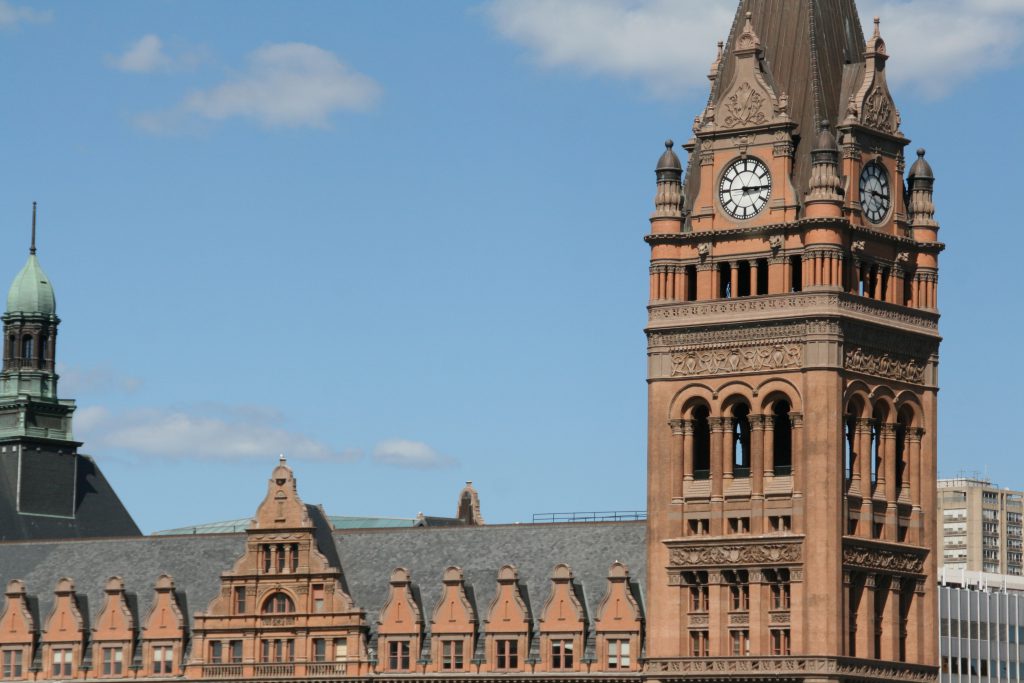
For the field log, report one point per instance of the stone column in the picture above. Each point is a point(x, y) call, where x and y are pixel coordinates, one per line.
point(753, 278)
point(863, 432)
point(853, 275)
point(888, 445)
point(866, 619)
point(757, 433)
point(758, 611)
point(891, 622)
point(728, 448)
point(848, 635)
point(914, 435)
point(777, 282)
point(734, 279)
point(707, 281)
point(717, 434)
point(769, 449)
point(718, 606)
point(796, 421)
point(676, 466)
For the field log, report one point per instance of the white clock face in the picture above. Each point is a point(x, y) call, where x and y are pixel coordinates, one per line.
point(874, 192)
point(745, 188)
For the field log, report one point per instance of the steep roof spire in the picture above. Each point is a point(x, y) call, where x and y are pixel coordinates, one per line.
point(32, 249)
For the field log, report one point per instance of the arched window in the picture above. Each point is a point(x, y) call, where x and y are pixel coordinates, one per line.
point(796, 270)
point(44, 343)
point(691, 283)
point(26, 347)
point(902, 421)
point(725, 281)
point(701, 443)
point(782, 438)
point(741, 440)
point(850, 442)
point(278, 603)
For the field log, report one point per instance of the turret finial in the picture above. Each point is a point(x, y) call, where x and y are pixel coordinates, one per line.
point(32, 249)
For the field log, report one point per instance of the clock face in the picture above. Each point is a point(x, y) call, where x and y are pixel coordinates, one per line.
point(745, 188)
point(874, 192)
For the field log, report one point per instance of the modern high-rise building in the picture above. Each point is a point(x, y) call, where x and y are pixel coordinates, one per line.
point(792, 376)
point(980, 526)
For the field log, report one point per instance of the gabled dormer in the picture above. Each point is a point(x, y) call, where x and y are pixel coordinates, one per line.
point(619, 623)
point(63, 637)
point(507, 629)
point(17, 631)
point(163, 633)
point(400, 626)
point(562, 624)
point(113, 634)
point(453, 625)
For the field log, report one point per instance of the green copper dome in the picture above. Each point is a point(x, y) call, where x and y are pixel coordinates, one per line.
point(31, 291)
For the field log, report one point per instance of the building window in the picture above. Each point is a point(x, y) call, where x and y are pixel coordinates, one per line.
point(280, 559)
point(236, 651)
point(739, 525)
point(741, 441)
point(341, 649)
point(698, 643)
point(699, 527)
point(319, 650)
point(267, 558)
point(318, 597)
point(739, 590)
point(780, 523)
point(278, 650)
point(779, 580)
point(507, 650)
point(782, 438)
point(451, 655)
point(701, 443)
point(295, 557)
point(26, 347)
point(216, 652)
point(698, 582)
point(278, 603)
point(618, 654)
point(239, 600)
point(739, 643)
point(561, 653)
point(398, 655)
point(780, 641)
point(12, 662)
point(61, 659)
point(163, 659)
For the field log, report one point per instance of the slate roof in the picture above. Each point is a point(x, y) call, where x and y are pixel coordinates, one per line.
point(366, 557)
point(99, 511)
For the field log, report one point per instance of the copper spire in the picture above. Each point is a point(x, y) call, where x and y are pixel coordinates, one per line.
point(32, 249)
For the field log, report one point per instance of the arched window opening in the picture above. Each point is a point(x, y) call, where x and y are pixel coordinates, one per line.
point(294, 553)
point(782, 438)
point(885, 274)
point(739, 589)
point(267, 558)
point(11, 347)
point(876, 451)
point(281, 559)
point(725, 281)
point(873, 281)
point(902, 421)
point(851, 444)
point(908, 289)
point(278, 603)
point(796, 270)
point(743, 283)
point(701, 443)
point(762, 277)
point(691, 283)
point(741, 441)
point(26, 347)
point(44, 347)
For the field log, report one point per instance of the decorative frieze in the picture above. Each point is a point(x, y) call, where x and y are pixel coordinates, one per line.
point(767, 357)
point(734, 554)
point(883, 364)
point(901, 560)
point(787, 667)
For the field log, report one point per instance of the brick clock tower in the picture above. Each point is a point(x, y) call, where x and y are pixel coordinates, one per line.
point(793, 351)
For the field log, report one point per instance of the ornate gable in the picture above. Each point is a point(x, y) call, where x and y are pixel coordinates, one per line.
point(454, 612)
point(164, 619)
point(64, 624)
point(872, 105)
point(618, 610)
point(16, 623)
point(282, 508)
point(508, 612)
point(115, 621)
point(563, 611)
point(401, 613)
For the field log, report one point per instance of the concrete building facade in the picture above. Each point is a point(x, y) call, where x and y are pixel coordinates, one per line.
point(980, 526)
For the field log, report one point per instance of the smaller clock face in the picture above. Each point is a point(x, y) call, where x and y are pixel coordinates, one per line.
point(745, 188)
point(874, 192)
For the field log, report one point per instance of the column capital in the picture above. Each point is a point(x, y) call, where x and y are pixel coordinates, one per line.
point(888, 429)
point(717, 423)
point(796, 420)
point(757, 422)
point(915, 434)
point(870, 581)
point(677, 426)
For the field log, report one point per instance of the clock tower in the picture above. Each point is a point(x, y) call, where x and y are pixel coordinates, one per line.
point(793, 353)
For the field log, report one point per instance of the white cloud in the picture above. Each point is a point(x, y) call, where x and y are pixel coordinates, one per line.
point(669, 44)
point(935, 45)
point(404, 453)
point(285, 84)
point(145, 55)
point(234, 433)
point(11, 15)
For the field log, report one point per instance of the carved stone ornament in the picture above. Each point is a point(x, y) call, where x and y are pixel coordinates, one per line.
point(703, 249)
point(878, 111)
point(775, 242)
point(758, 667)
point(737, 360)
point(884, 559)
point(779, 617)
point(857, 245)
point(739, 619)
point(735, 554)
point(745, 107)
point(882, 364)
point(698, 620)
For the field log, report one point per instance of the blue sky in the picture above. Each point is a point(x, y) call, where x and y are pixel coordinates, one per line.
point(402, 242)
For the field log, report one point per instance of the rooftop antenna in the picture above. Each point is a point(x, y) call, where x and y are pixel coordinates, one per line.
point(32, 249)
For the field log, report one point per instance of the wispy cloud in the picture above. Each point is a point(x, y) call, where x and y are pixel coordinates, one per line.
point(414, 454)
point(284, 84)
point(230, 434)
point(668, 45)
point(145, 55)
point(12, 15)
point(75, 381)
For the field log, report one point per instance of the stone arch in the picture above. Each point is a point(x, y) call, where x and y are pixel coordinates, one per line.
point(774, 389)
point(686, 398)
point(277, 600)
